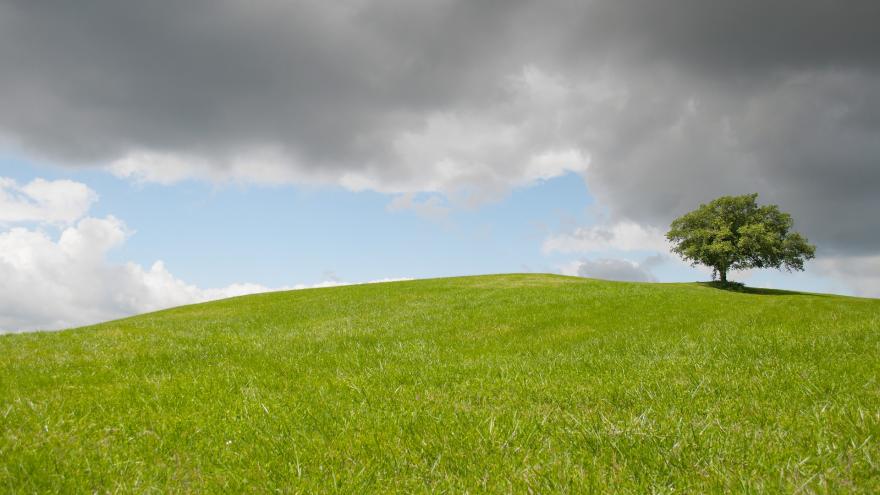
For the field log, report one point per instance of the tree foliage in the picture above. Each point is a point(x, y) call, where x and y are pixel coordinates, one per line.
point(734, 233)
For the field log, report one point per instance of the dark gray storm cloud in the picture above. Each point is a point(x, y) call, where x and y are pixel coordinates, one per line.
point(672, 102)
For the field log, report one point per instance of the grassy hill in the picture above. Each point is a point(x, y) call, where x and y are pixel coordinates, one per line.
point(491, 383)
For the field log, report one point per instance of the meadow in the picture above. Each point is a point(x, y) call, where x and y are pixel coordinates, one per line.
point(508, 383)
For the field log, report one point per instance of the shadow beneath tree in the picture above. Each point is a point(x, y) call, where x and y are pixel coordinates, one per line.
point(743, 289)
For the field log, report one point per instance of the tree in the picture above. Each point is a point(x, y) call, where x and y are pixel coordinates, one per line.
point(734, 233)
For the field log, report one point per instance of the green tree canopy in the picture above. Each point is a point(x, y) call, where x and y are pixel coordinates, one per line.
point(734, 233)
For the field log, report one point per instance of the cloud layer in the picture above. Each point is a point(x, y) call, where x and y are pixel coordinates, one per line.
point(464, 97)
point(58, 202)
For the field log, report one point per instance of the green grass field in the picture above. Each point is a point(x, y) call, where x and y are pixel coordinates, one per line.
point(508, 383)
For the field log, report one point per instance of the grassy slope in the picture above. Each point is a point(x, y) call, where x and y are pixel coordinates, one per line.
point(491, 383)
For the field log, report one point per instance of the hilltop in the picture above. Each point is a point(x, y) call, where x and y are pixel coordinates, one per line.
point(488, 383)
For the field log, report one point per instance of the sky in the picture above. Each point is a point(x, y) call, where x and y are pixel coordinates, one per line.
point(162, 153)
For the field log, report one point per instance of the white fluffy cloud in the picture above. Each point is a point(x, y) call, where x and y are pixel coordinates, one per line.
point(615, 269)
point(612, 269)
point(620, 236)
point(860, 274)
point(48, 283)
point(58, 281)
point(60, 201)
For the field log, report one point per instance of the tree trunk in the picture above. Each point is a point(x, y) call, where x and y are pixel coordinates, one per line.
point(723, 273)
